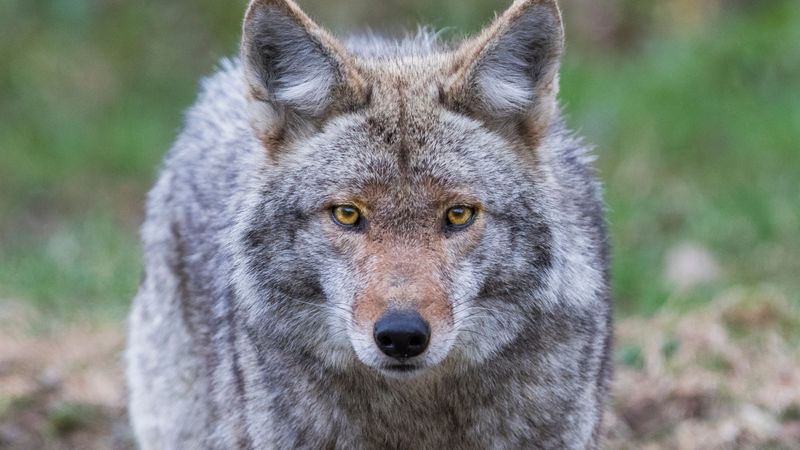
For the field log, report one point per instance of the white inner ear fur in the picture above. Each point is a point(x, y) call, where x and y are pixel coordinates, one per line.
point(505, 89)
point(307, 91)
point(518, 70)
point(287, 63)
point(263, 117)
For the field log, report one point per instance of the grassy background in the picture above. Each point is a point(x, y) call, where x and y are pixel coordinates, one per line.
point(694, 107)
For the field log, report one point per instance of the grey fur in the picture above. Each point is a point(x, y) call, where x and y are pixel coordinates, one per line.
point(243, 333)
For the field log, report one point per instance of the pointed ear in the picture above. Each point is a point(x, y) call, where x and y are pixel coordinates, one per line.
point(509, 72)
point(297, 73)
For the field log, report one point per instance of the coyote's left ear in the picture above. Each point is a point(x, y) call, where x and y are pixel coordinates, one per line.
point(297, 73)
point(510, 71)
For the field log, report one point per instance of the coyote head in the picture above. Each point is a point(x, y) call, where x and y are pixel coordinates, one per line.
point(404, 213)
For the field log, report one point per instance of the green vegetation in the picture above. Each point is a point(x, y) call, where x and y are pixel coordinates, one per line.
point(699, 140)
point(68, 417)
point(697, 128)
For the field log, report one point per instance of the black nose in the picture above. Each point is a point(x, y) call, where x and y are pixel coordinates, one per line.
point(402, 334)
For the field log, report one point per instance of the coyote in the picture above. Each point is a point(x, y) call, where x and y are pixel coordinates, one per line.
point(375, 244)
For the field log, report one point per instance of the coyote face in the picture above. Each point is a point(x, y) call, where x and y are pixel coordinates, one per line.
point(414, 241)
point(413, 230)
point(416, 190)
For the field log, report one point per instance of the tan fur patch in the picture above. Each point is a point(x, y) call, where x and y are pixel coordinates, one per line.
point(402, 275)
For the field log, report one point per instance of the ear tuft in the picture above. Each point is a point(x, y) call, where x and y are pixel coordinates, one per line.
point(292, 65)
point(511, 68)
point(286, 63)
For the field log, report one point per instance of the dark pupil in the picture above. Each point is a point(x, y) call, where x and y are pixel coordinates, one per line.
point(347, 213)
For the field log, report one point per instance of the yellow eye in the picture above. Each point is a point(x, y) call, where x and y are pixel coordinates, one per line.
point(460, 216)
point(346, 215)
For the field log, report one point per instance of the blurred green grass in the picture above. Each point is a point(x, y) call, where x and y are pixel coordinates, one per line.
point(697, 126)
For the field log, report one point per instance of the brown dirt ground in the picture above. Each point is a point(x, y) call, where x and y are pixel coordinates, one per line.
point(724, 376)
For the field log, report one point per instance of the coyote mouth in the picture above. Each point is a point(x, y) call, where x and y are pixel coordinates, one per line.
point(401, 368)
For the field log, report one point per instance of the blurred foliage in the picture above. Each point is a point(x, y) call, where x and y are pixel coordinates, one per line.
point(694, 106)
point(68, 417)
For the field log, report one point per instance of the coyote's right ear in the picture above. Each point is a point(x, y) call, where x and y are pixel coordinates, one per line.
point(297, 73)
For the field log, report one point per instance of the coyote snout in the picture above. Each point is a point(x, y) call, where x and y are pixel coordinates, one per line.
point(407, 317)
point(402, 313)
